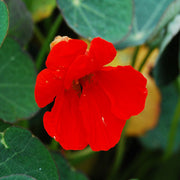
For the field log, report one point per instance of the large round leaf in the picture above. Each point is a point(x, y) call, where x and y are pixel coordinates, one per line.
point(20, 21)
point(21, 153)
point(147, 16)
point(4, 21)
point(17, 80)
point(110, 20)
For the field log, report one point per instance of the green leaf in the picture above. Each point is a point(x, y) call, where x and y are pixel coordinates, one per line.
point(147, 16)
point(4, 21)
point(17, 82)
point(20, 21)
point(21, 153)
point(158, 137)
point(110, 20)
point(40, 9)
point(17, 177)
point(166, 68)
point(66, 172)
point(169, 14)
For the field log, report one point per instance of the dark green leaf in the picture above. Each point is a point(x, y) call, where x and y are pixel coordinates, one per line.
point(147, 16)
point(158, 137)
point(17, 82)
point(110, 20)
point(65, 171)
point(3, 126)
point(4, 21)
point(21, 153)
point(166, 69)
point(20, 21)
point(17, 177)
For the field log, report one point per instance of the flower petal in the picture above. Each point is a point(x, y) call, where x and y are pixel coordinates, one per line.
point(103, 128)
point(126, 89)
point(64, 122)
point(100, 53)
point(47, 87)
point(64, 53)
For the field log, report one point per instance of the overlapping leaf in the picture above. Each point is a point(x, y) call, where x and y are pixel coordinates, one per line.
point(110, 20)
point(17, 80)
point(147, 16)
point(23, 154)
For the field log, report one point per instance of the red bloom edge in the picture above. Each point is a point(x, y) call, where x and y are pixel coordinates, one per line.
point(92, 102)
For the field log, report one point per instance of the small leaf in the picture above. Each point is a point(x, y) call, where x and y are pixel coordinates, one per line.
point(4, 21)
point(110, 20)
point(17, 80)
point(158, 137)
point(20, 22)
point(65, 171)
point(147, 16)
point(40, 9)
point(17, 177)
point(21, 153)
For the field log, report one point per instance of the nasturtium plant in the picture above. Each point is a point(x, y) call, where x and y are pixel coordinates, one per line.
point(110, 20)
point(4, 21)
point(17, 177)
point(17, 82)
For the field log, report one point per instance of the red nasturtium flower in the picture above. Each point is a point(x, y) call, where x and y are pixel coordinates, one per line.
point(92, 102)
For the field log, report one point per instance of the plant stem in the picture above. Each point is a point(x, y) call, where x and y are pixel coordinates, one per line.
point(38, 34)
point(172, 132)
point(76, 157)
point(50, 37)
point(134, 58)
point(119, 155)
point(145, 59)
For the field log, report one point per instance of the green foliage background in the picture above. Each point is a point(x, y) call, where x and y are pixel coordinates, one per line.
point(26, 30)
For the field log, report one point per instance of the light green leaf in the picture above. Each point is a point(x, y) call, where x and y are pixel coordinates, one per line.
point(17, 80)
point(66, 172)
point(110, 20)
point(20, 21)
point(17, 177)
point(158, 137)
point(4, 21)
point(40, 9)
point(147, 16)
point(21, 153)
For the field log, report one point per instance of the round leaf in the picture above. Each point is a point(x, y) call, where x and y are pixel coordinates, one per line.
point(110, 20)
point(147, 15)
point(17, 80)
point(4, 21)
point(21, 153)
